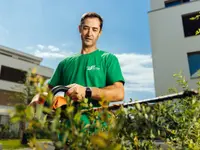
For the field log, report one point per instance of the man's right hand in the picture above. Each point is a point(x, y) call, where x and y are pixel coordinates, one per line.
point(38, 99)
point(76, 92)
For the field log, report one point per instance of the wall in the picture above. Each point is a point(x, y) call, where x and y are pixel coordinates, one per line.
point(170, 47)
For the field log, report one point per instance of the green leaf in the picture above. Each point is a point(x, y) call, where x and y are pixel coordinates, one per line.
point(15, 119)
point(29, 113)
point(146, 116)
point(39, 109)
point(138, 106)
point(77, 117)
point(85, 100)
point(70, 109)
point(98, 141)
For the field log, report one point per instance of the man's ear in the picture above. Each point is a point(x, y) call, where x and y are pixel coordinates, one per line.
point(100, 33)
point(79, 28)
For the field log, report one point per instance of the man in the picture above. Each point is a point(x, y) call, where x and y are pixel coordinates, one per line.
point(92, 74)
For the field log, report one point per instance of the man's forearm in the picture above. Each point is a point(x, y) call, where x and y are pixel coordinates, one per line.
point(110, 93)
point(113, 92)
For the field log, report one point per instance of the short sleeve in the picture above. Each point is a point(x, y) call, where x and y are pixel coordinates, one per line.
point(56, 78)
point(114, 73)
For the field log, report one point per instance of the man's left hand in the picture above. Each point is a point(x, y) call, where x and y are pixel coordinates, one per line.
point(76, 92)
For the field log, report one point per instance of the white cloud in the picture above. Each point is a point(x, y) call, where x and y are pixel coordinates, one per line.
point(50, 51)
point(48, 54)
point(53, 48)
point(138, 72)
point(40, 46)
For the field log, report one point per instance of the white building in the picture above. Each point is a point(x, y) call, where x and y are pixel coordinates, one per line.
point(13, 67)
point(175, 41)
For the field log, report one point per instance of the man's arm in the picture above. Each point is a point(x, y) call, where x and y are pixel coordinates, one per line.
point(110, 93)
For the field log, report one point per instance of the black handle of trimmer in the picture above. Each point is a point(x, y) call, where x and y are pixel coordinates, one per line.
point(59, 88)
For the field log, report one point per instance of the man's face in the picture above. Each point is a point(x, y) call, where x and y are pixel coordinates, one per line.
point(90, 31)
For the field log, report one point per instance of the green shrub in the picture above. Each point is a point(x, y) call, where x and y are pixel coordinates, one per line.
point(174, 122)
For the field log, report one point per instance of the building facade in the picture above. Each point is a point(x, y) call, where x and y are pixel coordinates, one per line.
point(175, 41)
point(13, 68)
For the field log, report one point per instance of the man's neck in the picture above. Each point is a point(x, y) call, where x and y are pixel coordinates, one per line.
point(87, 50)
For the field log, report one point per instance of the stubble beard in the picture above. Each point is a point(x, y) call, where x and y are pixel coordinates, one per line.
point(88, 45)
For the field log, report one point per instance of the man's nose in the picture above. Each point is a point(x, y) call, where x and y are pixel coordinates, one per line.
point(90, 32)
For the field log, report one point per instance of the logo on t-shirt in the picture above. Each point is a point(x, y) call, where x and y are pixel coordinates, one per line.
point(93, 67)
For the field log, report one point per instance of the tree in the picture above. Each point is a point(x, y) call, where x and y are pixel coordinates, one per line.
point(30, 89)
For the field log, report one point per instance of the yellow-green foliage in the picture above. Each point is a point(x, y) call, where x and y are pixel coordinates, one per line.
point(175, 123)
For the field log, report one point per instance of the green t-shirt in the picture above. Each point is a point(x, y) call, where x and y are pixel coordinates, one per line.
point(96, 69)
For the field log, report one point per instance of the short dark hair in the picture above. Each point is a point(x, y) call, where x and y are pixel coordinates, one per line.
point(92, 15)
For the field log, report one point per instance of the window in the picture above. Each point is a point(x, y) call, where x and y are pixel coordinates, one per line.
point(12, 74)
point(191, 24)
point(4, 119)
point(194, 63)
point(169, 3)
point(10, 98)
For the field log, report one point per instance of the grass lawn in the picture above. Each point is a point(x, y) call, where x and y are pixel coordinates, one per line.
point(13, 144)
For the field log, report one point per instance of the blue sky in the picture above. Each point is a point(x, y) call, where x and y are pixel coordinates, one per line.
point(49, 29)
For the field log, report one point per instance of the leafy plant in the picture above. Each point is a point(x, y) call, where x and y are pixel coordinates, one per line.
point(174, 123)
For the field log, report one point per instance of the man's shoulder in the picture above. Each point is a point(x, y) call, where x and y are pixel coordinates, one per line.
point(106, 54)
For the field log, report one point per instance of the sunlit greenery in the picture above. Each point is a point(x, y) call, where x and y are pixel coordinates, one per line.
point(174, 123)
